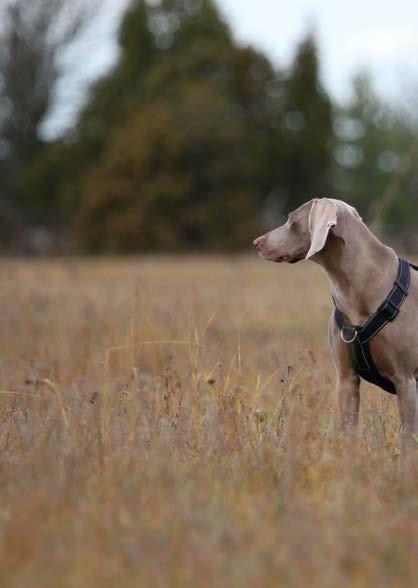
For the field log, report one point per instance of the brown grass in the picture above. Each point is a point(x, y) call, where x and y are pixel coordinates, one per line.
point(172, 423)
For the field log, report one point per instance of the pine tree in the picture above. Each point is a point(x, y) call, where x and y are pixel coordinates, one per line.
point(188, 184)
point(375, 149)
point(182, 171)
point(50, 187)
point(304, 147)
point(122, 88)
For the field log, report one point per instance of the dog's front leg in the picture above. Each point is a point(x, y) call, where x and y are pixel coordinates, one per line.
point(406, 390)
point(416, 414)
point(348, 395)
point(348, 382)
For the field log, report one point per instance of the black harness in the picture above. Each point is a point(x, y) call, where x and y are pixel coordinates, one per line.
point(358, 338)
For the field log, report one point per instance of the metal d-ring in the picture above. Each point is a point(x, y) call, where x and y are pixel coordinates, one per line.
point(352, 340)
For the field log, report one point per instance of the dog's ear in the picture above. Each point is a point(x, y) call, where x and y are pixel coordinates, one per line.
point(322, 217)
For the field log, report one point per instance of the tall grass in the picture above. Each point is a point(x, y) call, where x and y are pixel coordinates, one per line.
point(172, 423)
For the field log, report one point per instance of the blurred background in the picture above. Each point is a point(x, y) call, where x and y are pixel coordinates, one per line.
point(194, 125)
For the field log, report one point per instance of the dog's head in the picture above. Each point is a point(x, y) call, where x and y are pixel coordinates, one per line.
point(306, 231)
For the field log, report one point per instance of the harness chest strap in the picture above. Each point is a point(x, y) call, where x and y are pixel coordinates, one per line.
point(358, 337)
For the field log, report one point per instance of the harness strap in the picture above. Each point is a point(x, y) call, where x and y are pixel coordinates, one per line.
point(389, 310)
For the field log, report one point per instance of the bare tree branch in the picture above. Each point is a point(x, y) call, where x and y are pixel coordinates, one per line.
point(33, 35)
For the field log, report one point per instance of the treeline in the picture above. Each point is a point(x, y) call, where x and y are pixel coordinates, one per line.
point(191, 142)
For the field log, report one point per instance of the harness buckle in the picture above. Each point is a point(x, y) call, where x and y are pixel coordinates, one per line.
point(389, 309)
point(350, 329)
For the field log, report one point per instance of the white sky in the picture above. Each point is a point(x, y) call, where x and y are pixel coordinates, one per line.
point(377, 34)
point(380, 35)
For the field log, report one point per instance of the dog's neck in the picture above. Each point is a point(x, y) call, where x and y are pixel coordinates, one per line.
point(361, 269)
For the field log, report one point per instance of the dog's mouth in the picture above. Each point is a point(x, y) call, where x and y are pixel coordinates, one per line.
point(288, 259)
point(270, 255)
point(280, 258)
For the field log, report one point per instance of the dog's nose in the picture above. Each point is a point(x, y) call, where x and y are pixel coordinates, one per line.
point(259, 242)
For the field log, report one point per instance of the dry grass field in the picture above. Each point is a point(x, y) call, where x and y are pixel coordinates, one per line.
point(172, 423)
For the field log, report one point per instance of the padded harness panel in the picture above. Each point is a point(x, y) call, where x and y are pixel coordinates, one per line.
point(358, 338)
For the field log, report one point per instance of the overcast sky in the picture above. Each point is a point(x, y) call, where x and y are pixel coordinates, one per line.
point(377, 34)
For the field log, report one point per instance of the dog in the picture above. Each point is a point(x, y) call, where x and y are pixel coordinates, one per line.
point(375, 324)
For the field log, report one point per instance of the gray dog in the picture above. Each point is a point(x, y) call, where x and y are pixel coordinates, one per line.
point(370, 336)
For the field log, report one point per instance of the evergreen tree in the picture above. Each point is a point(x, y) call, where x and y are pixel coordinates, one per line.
point(188, 184)
point(375, 150)
point(303, 148)
point(181, 172)
point(122, 89)
point(52, 183)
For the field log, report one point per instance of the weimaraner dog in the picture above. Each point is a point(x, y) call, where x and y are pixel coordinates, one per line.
point(372, 288)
